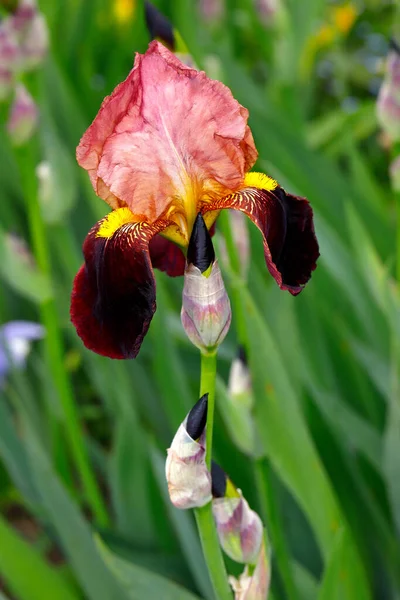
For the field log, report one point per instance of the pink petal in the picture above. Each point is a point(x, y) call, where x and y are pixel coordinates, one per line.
point(165, 134)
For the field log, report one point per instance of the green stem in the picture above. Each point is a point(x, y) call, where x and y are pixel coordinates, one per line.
point(204, 517)
point(53, 340)
point(207, 386)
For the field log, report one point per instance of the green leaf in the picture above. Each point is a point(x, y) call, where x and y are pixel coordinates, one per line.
point(357, 432)
point(129, 481)
point(284, 432)
point(13, 454)
point(27, 574)
point(73, 532)
point(140, 583)
point(344, 578)
point(56, 200)
point(305, 582)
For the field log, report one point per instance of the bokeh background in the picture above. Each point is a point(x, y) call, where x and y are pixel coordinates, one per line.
point(84, 509)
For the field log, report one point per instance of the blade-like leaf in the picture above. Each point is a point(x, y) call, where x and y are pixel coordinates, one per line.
point(26, 572)
point(344, 578)
point(140, 583)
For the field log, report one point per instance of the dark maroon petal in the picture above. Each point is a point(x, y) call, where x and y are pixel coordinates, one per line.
point(166, 256)
point(286, 222)
point(114, 293)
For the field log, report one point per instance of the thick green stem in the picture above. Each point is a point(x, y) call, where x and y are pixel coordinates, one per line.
point(204, 517)
point(54, 343)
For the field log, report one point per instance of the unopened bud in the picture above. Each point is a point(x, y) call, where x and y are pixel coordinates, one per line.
point(239, 528)
point(212, 10)
point(46, 187)
point(34, 42)
point(254, 586)
point(189, 481)
point(23, 118)
point(239, 385)
point(10, 55)
point(236, 403)
point(6, 83)
point(393, 68)
point(388, 103)
point(267, 10)
point(23, 15)
point(206, 310)
point(159, 26)
point(388, 111)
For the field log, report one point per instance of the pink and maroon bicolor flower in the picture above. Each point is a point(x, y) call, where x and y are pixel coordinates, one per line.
point(170, 143)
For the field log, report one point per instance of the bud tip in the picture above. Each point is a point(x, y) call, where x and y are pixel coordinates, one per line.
point(197, 418)
point(218, 481)
point(201, 250)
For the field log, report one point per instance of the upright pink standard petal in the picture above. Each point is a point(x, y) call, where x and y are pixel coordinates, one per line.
point(168, 136)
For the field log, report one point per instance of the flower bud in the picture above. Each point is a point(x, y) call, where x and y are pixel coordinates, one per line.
point(189, 481)
point(23, 118)
point(393, 68)
point(206, 310)
point(159, 26)
point(236, 403)
point(255, 586)
point(23, 15)
point(34, 42)
point(6, 83)
point(267, 10)
point(240, 381)
point(212, 10)
point(239, 528)
point(388, 111)
point(388, 103)
point(10, 54)
point(46, 188)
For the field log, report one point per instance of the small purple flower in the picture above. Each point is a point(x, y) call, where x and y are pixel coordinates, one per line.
point(15, 338)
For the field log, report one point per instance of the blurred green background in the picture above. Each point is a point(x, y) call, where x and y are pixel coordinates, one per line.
point(85, 512)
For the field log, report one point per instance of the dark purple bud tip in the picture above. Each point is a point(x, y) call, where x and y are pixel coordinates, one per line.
point(197, 418)
point(393, 45)
point(201, 250)
point(218, 481)
point(159, 27)
point(242, 355)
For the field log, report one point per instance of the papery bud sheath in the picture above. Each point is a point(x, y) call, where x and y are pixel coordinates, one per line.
point(255, 586)
point(189, 482)
point(206, 310)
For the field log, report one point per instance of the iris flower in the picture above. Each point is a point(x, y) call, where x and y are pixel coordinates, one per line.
point(167, 144)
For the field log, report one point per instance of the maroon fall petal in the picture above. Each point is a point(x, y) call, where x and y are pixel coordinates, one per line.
point(166, 256)
point(114, 293)
point(286, 223)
